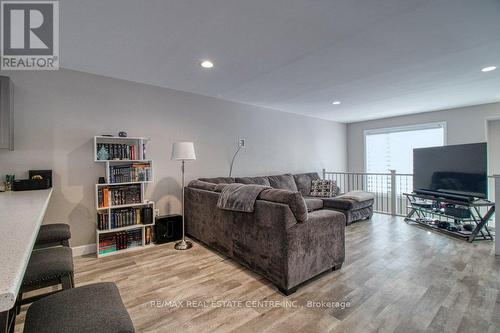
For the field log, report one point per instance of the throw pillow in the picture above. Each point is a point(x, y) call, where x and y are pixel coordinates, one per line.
point(323, 188)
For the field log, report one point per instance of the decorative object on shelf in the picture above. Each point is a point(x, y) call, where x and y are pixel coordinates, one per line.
point(9, 180)
point(102, 154)
point(183, 151)
point(122, 134)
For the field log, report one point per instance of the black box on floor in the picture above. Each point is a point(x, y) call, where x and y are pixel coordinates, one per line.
point(168, 228)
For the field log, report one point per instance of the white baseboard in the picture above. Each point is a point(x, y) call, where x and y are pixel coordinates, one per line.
point(83, 250)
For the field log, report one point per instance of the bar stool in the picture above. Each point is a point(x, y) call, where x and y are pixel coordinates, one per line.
point(94, 308)
point(53, 235)
point(47, 267)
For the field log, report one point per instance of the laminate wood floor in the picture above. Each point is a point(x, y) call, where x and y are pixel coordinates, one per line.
point(396, 278)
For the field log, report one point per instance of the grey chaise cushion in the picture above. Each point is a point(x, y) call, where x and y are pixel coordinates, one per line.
point(94, 308)
point(53, 233)
point(313, 203)
point(345, 204)
point(283, 182)
point(304, 181)
point(253, 180)
point(47, 265)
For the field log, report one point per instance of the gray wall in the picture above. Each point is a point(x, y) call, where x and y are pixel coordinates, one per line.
point(57, 114)
point(464, 125)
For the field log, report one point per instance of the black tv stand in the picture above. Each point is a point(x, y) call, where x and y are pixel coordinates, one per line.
point(446, 195)
point(430, 211)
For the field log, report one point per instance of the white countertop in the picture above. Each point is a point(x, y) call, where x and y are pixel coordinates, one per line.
point(21, 214)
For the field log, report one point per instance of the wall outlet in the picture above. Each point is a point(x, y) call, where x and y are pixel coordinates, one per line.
point(242, 143)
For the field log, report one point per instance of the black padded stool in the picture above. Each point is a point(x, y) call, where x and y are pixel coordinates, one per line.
point(53, 235)
point(94, 308)
point(47, 267)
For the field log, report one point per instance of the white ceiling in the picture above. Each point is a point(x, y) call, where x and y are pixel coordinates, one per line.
point(379, 57)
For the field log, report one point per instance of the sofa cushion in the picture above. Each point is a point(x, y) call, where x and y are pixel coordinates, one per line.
point(253, 180)
point(313, 204)
point(283, 182)
point(202, 185)
point(294, 200)
point(303, 181)
point(345, 204)
point(218, 180)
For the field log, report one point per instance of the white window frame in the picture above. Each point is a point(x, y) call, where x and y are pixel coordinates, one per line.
point(415, 127)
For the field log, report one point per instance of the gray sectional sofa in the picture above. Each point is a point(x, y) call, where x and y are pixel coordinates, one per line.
point(288, 238)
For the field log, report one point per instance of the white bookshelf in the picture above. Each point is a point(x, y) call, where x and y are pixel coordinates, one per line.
point(140, 160)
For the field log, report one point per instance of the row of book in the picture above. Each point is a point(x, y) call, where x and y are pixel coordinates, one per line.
point(124, 217)
point(119, 240)
point(119, 195)
point(118, 151)
point(136, 172)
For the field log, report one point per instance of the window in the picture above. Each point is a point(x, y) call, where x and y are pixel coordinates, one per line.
point(392, 149)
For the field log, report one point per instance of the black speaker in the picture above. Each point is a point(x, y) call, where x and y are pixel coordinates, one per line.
point(147, 215)
point(168, 228)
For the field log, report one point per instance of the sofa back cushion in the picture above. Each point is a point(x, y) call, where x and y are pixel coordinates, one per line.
point(283, 182)
point(218, 180)
point(253, 180)
point(294, 200)
point(304, 181)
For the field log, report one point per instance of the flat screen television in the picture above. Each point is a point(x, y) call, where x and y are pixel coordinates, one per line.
point(456, 169)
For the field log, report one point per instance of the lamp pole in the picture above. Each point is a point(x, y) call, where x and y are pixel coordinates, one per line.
point(183, 244)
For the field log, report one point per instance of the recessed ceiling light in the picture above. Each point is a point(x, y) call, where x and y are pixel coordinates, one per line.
point(207, 64)
point(489, 69)
point(336, 102)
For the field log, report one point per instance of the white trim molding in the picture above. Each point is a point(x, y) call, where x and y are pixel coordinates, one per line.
point(83, 250)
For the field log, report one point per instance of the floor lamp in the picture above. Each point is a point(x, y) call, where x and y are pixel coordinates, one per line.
point(183, 151)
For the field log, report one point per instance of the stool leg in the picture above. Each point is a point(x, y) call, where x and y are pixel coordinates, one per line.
point(66, 282)
point(18, 303)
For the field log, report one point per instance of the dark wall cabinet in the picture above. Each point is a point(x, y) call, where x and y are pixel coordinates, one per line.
point(6, 113)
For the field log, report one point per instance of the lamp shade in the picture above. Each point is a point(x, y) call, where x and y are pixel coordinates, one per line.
point(183, 151)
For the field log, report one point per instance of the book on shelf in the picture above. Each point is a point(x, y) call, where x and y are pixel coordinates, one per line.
point(125, 217)
point(119, 195)
point(117, 151)
point(119, 240)
point(136, 172)
point(102, 221)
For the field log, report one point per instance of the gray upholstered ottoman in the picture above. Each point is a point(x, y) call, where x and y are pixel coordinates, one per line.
point(94, 308)
point(355, 205)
